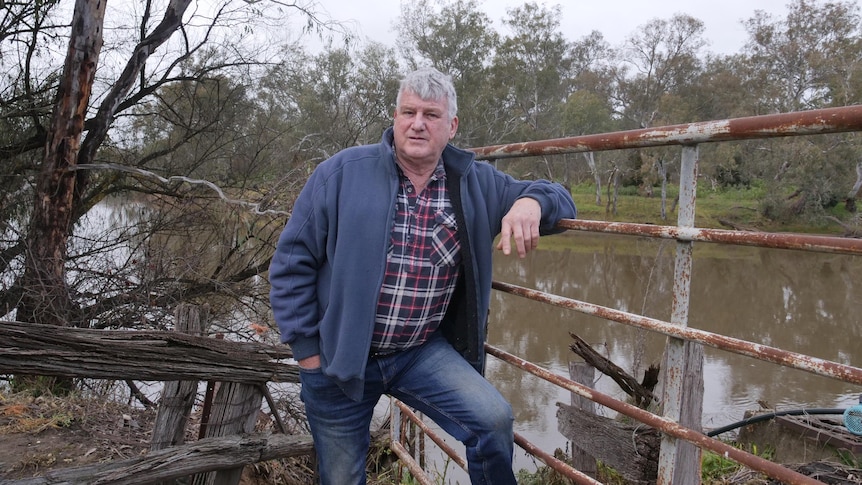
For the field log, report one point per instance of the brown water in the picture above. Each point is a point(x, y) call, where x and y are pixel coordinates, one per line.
point(803, 302)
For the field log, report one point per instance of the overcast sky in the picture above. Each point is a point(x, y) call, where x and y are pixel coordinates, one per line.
point(615, 19)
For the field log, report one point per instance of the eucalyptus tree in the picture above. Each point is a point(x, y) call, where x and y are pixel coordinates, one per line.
point(660, 60)
point(589, 108)
point(810, 58)
point(534, 66)
point(532, 73)
point(334, 99)
point(164, 123)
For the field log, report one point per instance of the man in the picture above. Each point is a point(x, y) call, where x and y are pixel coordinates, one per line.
point(381, 283)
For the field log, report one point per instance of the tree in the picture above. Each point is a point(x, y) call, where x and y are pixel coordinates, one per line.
point(163, 144)
point(335, 99)
point(811, 58)
point(588, 109)
point(664, 57)
point(585, 113)
point(59, 186)
point(534, 67)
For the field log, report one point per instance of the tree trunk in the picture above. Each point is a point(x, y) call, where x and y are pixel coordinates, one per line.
point(59, 185)
point(850, 201)
point(662, 172)
point(46, 299)
point(591, 162)
point(613, 191)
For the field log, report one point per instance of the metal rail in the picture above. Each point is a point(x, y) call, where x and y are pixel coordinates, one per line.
point(813, 122)
point(806, 242)
point(814, 365)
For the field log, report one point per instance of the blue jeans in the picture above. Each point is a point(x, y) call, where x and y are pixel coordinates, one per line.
point(435, 380)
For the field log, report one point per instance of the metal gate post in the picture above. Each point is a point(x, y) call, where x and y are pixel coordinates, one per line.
point(677, 363)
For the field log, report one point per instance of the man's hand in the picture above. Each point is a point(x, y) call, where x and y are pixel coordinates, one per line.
point(522, 224)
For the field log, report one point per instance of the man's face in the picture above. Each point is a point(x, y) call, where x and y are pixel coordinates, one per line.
point(422, 129)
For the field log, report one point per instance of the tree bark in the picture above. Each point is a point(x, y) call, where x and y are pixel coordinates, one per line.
point(850, 201)
point(591, 162)
point(60, 185)
point(49, 350)
point(46, 298)
point(180, 461)
point(661, 164)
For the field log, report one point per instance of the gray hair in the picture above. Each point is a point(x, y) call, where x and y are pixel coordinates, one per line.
point(430, 84)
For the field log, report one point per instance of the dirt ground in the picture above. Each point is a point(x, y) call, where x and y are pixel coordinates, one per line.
point(41, 433)
point(38, 434)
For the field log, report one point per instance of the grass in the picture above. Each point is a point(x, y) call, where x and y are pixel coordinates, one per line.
point(723, 208)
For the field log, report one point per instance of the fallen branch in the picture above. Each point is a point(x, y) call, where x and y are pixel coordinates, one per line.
point(181, 461)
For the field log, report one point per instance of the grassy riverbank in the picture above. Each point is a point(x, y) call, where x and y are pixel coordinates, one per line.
point(741, 209)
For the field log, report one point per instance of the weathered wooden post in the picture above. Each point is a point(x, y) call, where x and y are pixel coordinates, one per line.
point(583, 373)
point(234, 411)
point(178, 397)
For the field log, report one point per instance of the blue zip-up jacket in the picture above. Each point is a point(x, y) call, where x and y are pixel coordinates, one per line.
point(328, 267)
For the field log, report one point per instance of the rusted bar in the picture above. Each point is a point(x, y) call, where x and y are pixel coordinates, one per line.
point(559, 466)
point(772, 240)
point(774, 470)
point(819, 121)
point(450, 452)
point(415, 470)
point(547, 459)
point(842, 372)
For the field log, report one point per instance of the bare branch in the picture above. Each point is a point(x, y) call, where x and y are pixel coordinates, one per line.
point(169, 24)
point(255, 207)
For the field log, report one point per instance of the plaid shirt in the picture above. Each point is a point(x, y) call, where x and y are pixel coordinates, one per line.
point(422, 266)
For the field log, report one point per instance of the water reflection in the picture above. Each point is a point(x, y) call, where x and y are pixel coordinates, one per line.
point(796, 301)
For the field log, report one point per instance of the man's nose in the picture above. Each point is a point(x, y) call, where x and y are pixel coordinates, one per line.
point(418, 122)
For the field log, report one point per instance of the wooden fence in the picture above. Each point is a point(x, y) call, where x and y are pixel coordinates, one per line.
point(182, 359)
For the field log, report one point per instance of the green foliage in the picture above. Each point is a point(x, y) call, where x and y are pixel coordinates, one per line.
point(848, 458)
point(545, 475)
point(714, 467)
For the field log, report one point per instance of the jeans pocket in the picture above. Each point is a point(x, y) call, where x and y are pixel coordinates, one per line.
point(317, 387)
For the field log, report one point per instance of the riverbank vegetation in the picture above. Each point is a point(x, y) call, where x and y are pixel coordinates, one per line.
point(734, 208)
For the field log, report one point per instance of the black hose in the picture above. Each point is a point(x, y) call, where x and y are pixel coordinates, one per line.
point(765, 416)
